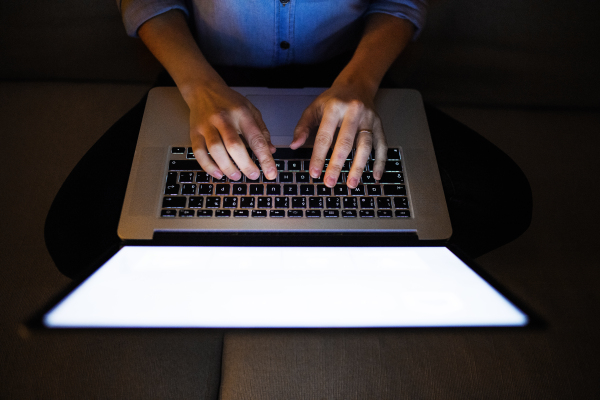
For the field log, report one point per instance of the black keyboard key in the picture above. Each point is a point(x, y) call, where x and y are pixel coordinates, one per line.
point(332, 202)
point(392, 177)
point(205, 213)
point(265, 202)
point(168, 213)
point(257, 180)
point(290, 190)
point(295, 165)
point(184, 165)
point(177, 150)
point(257, 189)
point(222, 189)
point(171, 178)
point(282, 202)
point(241, 213)
point(273, 190)
point(298, 202)
point(331, 213)
point(358, 191)
point(320, 178)
point(349, 213)
point(186, 177)
point(393, 166)
point(205, 188)
point(172, 189)
point(367, 177)
point(401, 202)
point(313, 214)
point(187, 213)
point(384, 213)
point(350, 202)
point(323, 190)
point(247, 202)
point(196, 202)
point(340, 190)
point(239, 189)
point(286, 177)
point(402, 213)
point(393, 154)
point(222, 213)
point(213, 202)
point(280, 165)
point(174, 202)
point(259, 213)
point(202, 177)
point(190, 153)
point(307, 190)
point(230, 202)
point(367, 213)
point(374, 190)
point(302, 177)
point(277, 213)
point(188, 188)
point(295, 213)
point(367, 202)
point(384, 202)
point(394, 190)
point(315, 202)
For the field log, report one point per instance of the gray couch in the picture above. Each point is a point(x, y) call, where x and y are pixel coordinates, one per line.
point(522, 73)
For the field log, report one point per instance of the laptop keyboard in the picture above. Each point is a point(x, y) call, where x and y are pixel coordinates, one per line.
point(190, 192)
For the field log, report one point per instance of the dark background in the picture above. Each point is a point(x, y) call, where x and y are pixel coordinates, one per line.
point(523, 73)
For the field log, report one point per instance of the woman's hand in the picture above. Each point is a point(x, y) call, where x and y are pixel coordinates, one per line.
point(350, 108)
point(219, 116)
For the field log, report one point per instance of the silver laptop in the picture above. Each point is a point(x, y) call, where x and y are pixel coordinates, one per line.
point(169, 193)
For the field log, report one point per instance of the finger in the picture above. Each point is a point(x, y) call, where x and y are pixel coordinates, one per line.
point(216, 138)
point(255, 137)
point(344, 143)
point(202, 156)
point(364, 143)
point(323, 140)
point(308, 121)
point(381, 148)
point(263, 127)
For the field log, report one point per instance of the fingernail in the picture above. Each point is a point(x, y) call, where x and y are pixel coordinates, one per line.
point(254, 175)
point(315, 172)
point(353, 182)
point(330, 181)
point(236, 175)
point(218, 174)
point(271, 173)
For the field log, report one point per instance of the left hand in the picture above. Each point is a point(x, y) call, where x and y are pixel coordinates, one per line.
point(351, 109)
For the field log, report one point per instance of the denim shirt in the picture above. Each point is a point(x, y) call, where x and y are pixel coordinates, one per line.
point(269, 33)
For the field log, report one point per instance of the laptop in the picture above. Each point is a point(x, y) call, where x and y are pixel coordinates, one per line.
point(329, 262)
point(168, 193)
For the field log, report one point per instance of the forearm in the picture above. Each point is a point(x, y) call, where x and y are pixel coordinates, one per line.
point(169, 39)
point(383, 40)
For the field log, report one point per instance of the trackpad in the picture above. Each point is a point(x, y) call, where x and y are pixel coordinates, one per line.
point(281, 113)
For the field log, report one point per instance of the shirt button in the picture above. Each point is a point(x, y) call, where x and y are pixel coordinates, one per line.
point(284, 45)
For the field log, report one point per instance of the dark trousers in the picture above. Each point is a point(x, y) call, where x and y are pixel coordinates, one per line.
point(488, 196)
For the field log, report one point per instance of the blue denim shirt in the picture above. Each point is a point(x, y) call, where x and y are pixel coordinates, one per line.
point(269, 33)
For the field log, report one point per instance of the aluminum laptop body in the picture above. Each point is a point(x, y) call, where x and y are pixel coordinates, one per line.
point(165, 125)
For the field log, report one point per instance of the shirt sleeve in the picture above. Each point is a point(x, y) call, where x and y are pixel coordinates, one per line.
point(414, 11)
point(136, 12)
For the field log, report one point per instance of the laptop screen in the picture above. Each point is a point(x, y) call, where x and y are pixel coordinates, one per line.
point(284, 287)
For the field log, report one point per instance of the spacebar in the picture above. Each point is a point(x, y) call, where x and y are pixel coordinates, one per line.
point(289, 154)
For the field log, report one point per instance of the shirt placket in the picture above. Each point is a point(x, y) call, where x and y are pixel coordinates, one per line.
point(284, 42)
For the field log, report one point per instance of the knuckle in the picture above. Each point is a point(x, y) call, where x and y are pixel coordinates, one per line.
point(323, 141)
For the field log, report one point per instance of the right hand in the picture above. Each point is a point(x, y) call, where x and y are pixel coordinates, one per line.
point(218, 116)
